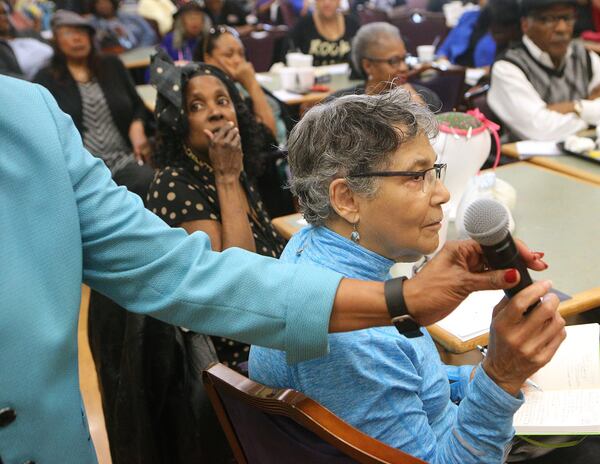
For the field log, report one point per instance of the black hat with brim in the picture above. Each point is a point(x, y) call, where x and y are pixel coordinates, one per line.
point(527, 6)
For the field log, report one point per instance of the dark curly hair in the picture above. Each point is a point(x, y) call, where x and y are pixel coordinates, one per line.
point(256, 139)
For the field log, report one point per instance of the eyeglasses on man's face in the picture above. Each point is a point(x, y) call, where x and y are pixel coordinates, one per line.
point(427, 177)
point(551, 21)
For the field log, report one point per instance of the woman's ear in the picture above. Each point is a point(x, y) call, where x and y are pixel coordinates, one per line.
point(344, 201)
point(366, 66)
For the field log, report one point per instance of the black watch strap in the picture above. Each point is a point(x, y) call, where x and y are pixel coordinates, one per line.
point(394, 299)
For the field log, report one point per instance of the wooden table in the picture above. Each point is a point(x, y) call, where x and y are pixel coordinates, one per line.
point(576, 167)
point(555, 213)
point(288, 225)
point(138, 57)
point(148, 95)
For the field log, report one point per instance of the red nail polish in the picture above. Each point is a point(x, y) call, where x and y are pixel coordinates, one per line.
point(511, 276)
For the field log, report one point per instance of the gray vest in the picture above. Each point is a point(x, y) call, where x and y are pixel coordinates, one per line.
point(568, 83)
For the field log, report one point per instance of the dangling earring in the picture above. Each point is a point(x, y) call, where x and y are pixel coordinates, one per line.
point(355, 236)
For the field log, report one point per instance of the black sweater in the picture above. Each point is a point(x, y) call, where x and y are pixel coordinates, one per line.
point(123, 100)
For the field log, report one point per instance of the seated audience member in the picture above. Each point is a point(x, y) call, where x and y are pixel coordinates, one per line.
point(121, 30)
point(20, 56)
point(546, 86)
point(481, 34)
point(378, 55)
point(325, 33)
point(207, 153)
point(222, 48)
point(208, 157)
point(97, 92)
point(228, 13)
point(189, 25)
point(374, 199)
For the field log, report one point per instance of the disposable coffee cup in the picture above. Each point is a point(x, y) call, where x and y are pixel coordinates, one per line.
point(288, 77)
point(426, 53)
point(305, 80)
point(298, 60)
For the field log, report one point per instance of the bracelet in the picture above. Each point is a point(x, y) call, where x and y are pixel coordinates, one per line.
point(396, 306)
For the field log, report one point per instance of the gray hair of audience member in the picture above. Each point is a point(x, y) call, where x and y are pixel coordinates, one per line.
point(350, 135)
point(367, 37)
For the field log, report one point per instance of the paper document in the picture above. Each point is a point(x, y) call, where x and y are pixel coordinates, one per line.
point(473, 316)
point(286, 96)
point(528, 148)
point(569, 402)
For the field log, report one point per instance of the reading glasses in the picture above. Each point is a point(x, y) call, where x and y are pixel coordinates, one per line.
point(427, 177)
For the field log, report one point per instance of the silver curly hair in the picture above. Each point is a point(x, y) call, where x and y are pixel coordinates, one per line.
point(349, 135)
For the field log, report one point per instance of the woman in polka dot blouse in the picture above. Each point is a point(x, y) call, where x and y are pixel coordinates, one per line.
point(204, 182)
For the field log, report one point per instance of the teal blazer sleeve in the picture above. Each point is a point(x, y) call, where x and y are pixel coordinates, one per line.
point(131, 256)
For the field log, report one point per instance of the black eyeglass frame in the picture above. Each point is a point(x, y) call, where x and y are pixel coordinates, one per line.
point(389, 61)
point(553, 20)
point(440, 171)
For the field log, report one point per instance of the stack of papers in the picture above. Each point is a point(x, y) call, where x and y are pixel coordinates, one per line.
point(527, 148)
point(569, 400)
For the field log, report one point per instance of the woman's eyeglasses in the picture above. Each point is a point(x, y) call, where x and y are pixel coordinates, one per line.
point(427, 176)
point(392, 61)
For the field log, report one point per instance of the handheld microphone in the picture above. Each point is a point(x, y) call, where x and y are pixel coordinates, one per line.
point(486, 222)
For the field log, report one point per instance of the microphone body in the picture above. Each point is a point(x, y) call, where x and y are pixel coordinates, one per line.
point(504, 255)
point(486, 221)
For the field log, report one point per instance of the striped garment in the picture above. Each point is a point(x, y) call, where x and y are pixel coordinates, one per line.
point(101, 136)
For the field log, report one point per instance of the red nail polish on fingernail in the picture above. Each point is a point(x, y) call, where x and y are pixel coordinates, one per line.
point(511, 276)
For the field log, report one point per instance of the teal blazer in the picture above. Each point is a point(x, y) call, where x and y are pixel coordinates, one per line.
point(63, 222)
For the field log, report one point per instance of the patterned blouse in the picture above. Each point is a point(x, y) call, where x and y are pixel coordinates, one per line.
point(182, 194)
point(101, 136)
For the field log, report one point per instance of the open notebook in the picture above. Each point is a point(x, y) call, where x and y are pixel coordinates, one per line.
point(569, 403)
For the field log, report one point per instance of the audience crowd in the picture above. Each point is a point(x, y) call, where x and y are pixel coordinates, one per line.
point(212, 158)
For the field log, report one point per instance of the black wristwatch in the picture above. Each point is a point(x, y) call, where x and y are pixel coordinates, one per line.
point(394, 299)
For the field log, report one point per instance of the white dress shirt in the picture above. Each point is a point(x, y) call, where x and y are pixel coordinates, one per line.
point(32, 54)
point(516, 102)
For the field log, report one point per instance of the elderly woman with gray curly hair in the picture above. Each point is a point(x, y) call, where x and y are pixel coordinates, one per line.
point(368, 184)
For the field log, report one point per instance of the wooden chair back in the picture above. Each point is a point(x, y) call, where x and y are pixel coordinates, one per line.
point(447, 82)
point(419, 27)
point(269, 426)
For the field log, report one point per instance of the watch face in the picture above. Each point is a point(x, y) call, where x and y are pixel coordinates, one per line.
point(407, 326)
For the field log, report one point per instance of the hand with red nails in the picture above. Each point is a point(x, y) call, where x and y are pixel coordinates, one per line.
point(521, 344)
point(456, 271)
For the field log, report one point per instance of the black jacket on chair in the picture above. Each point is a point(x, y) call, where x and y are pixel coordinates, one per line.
point(123, 100)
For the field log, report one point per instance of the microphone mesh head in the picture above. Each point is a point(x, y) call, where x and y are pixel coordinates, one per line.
point(486, 221)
